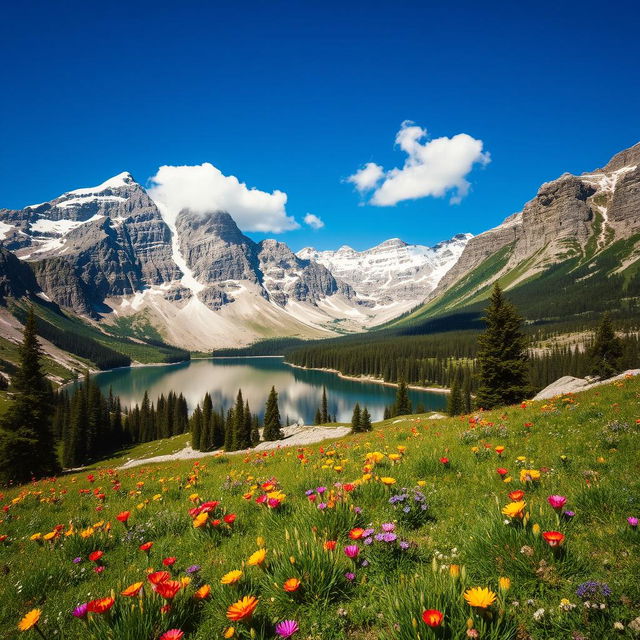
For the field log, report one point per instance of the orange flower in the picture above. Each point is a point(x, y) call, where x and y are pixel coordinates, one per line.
point(242, 609)
point(29, 620)
point(158, 576)
point(356, 534)
point(172, 634)
point(553, 538)
point(168, 589)
point(123, 516)
point(516, 496)
point(203, 592)
point(291, 585)
point(432, 617)
point(146, 546)
point(100, 605)
point(329, 545)
point(132, 590)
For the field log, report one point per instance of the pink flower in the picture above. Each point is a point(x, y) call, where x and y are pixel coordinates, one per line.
point(557, 502)
point(286, 628)
point(352, 551)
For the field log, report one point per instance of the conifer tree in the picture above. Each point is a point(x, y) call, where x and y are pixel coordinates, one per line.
point(241, 434)
point(454, 401)
point(255, 431)
point(196, 428)
point(606, 351)
point(502, 355)
point(387, 413)
point(324, 410)
point(355, 419)
point(403, 403)
point(318, 417)
point(26, 437)
point(365, 420)
point(228, 431)
point(272, 424)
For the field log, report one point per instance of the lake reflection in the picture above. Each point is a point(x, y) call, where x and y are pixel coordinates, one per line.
point(299, 390)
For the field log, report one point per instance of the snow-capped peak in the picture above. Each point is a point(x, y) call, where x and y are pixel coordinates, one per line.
point(121, 180)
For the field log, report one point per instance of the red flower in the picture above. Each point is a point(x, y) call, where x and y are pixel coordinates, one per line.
point(432, 617)
point(100, 605)
point(158, 576)
point(168, 589)
point(230, 518)
point(146, 546)
point(94, 556)
point(444, 460)
point(123, 517)
point(172, 634)
point(553, 538)
point(501, 471)
point(330, 545)
point(168, 562)
point(516, 495)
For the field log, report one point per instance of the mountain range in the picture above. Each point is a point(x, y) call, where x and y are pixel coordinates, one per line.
point(108, 257)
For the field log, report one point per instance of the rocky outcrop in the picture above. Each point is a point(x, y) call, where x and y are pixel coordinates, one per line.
point(58, 280)
point(16, 278)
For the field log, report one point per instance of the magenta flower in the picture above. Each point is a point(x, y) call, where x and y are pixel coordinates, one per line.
point(633, 522)
point(557, 502)
point(81, 610)
point(352, 551)
point(286, 628)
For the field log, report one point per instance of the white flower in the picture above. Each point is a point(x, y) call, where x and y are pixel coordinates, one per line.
point(539, 614)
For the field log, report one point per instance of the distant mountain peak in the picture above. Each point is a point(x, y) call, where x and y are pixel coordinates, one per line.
point(123, 179)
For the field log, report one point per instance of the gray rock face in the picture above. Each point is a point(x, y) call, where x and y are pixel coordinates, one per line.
point(561, 220)
point(215, 249)
point(16, 278)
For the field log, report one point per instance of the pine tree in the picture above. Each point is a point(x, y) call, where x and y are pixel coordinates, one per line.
point(241, 434)
point(502, 355)
point(318, 417)
point(255, 431)
point(365, 420)
point(403, 404)
point(454, 401)
point(228, 431)
point(387, 413)
point(196, 428)
point(606, 351)
point(324, 410)
point(26, 437)
point(272, 424)
point(355, 419)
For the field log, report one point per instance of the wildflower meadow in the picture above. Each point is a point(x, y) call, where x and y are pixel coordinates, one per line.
point(511, 524)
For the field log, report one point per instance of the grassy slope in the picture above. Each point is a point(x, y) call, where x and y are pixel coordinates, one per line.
point(600, 480)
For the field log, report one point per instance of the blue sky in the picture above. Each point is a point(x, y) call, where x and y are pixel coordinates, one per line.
point(297, 96)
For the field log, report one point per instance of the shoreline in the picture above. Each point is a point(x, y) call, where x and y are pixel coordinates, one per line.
point(415, 387)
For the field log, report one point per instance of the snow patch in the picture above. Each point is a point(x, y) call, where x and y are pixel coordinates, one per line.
point(123, 179)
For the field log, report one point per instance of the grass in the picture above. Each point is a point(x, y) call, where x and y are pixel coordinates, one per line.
point(585, 447)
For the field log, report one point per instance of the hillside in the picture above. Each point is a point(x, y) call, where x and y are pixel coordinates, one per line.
point(388, 566)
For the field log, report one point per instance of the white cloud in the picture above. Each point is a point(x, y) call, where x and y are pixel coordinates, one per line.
point(367, 177)
point(432, 168)
point(313, 221)
point(204, 188)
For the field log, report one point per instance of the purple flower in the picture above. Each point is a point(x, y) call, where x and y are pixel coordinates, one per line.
point(379, 537)
point(364, 563)
point(633, 522)
point(350, 576)
point(368, 532)
point(390, 537)
point(388, 526)
point(194, 568)
point(357, 510)
point(322, 505)
point(81, 610)
point(321, 489)
point(308, 492)
point(593, 590)
point(404, 544)
point(287, 628)
point(77, 560)
point(368, 540)
point(568, 514)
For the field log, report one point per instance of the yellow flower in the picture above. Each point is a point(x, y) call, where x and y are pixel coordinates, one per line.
point(260, 541)
point(30, 620)
point(36, 536)
point(480, 597)
point(200, 520)
point(529, 475)
point(454, 570)
point(185, 581)
point(229, 632)
point(394, 457)
point(232, 577)
point(422, 483)
point(49, 536)
point(504, 583)
point(387, 480)
point(257, 557)
point(515, 509)
point(87, 533)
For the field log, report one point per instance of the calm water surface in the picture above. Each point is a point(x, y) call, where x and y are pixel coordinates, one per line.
point(299, 390)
